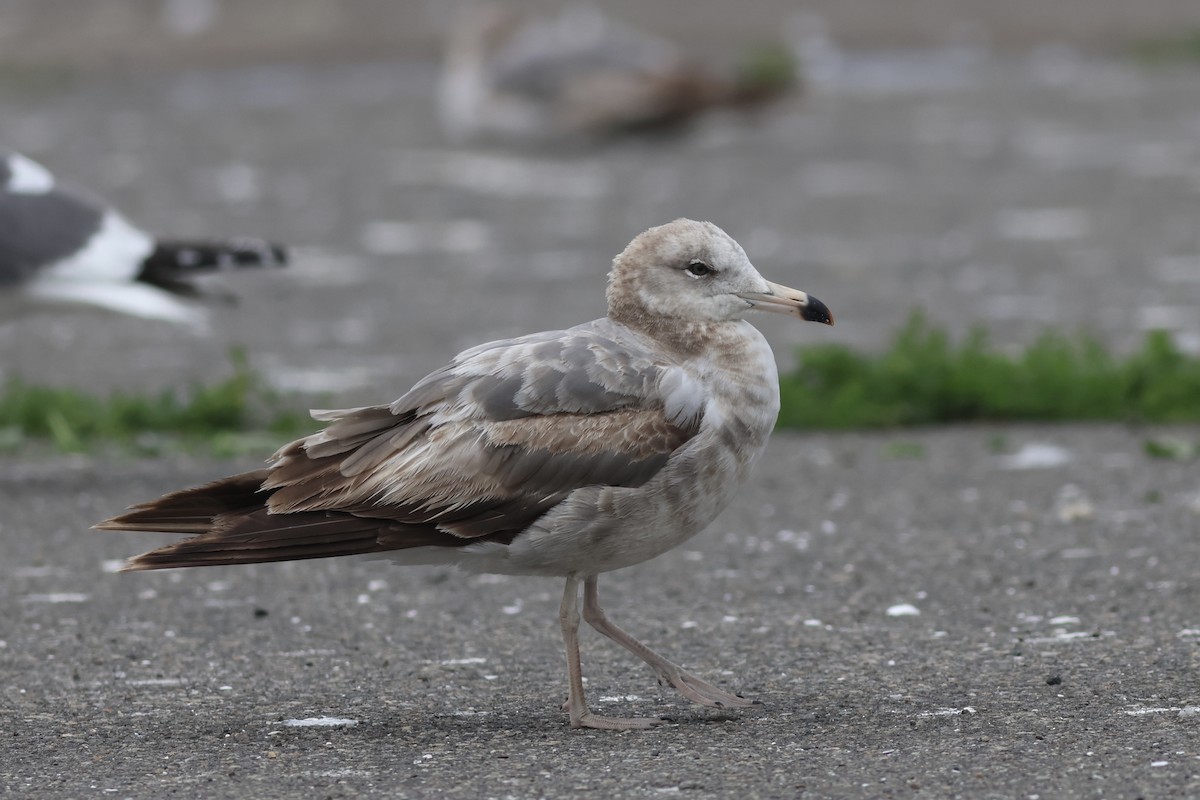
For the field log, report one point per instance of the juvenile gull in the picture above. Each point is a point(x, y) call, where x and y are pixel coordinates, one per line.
point(565, 453)
point(61, 246)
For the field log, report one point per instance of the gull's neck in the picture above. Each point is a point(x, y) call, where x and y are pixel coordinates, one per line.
point(723, 341)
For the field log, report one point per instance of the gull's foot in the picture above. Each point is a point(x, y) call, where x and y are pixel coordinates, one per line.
point(701, 691)
point(589, 720)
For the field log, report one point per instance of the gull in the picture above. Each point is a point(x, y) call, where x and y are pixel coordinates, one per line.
point(565, 453)
point(578, 73)
point(62, 246)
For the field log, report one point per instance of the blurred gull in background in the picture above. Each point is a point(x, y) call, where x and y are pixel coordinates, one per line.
point(61, 246)
point(580, 73)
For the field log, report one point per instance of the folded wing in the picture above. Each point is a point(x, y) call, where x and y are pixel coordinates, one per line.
point(477, 451)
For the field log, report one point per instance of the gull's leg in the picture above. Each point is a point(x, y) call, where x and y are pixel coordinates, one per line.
point(691, 687)
point(568, 617)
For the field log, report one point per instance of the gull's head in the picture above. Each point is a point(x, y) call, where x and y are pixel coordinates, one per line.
point(695, 272)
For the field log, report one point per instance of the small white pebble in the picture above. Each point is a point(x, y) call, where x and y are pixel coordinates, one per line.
point(1036, 455)
point(1072, 504)
point(903, 610)
point(321, 722)
point(56, 597)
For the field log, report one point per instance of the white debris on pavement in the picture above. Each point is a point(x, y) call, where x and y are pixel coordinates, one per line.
point(946, 712)
point(1036, 455)
point(56, 597)
point(1073, 505)
point(903, 610)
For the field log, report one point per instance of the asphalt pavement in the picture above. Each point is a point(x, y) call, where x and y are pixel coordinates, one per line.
point(976, 612)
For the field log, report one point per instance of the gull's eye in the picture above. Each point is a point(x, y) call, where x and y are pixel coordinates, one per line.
point(698, 269)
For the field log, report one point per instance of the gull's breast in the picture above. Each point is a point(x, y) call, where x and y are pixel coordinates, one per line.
point(602, 528)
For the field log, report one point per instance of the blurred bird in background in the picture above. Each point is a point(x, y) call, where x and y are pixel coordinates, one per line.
point(580, 73)
point(63, 247)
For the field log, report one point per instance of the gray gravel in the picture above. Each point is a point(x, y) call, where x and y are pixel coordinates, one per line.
point(1055, 648)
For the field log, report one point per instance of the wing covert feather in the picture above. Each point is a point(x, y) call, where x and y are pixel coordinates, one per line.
point(497, 437)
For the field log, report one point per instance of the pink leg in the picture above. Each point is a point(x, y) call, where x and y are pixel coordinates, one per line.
point(691, 687)
point(576, 705)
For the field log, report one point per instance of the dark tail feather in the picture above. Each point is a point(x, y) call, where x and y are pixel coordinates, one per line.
point(259, 537)
point(172, 263)
point(193, 510)
point(231, 525)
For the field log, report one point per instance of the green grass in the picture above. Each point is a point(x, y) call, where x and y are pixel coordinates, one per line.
point(924, 378)
point(226, 417)
point(1182, 47)
point(1172, 449)
point(768, 67)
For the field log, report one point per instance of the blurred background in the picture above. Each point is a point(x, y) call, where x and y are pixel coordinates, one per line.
point(1013, 165)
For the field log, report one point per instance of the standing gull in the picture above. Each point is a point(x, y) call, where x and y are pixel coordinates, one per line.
point(565, 453)
point(61, 246)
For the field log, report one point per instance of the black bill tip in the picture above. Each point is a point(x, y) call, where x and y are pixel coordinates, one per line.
point(816, 311)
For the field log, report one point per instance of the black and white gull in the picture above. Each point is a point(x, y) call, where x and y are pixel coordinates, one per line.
point(61, 246)
point(565, 453)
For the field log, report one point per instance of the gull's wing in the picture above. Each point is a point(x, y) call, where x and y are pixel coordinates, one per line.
point(40, 224)
point(476, 451)
point(490, 442)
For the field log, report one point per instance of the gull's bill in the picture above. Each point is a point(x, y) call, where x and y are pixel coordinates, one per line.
point(781, 299)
